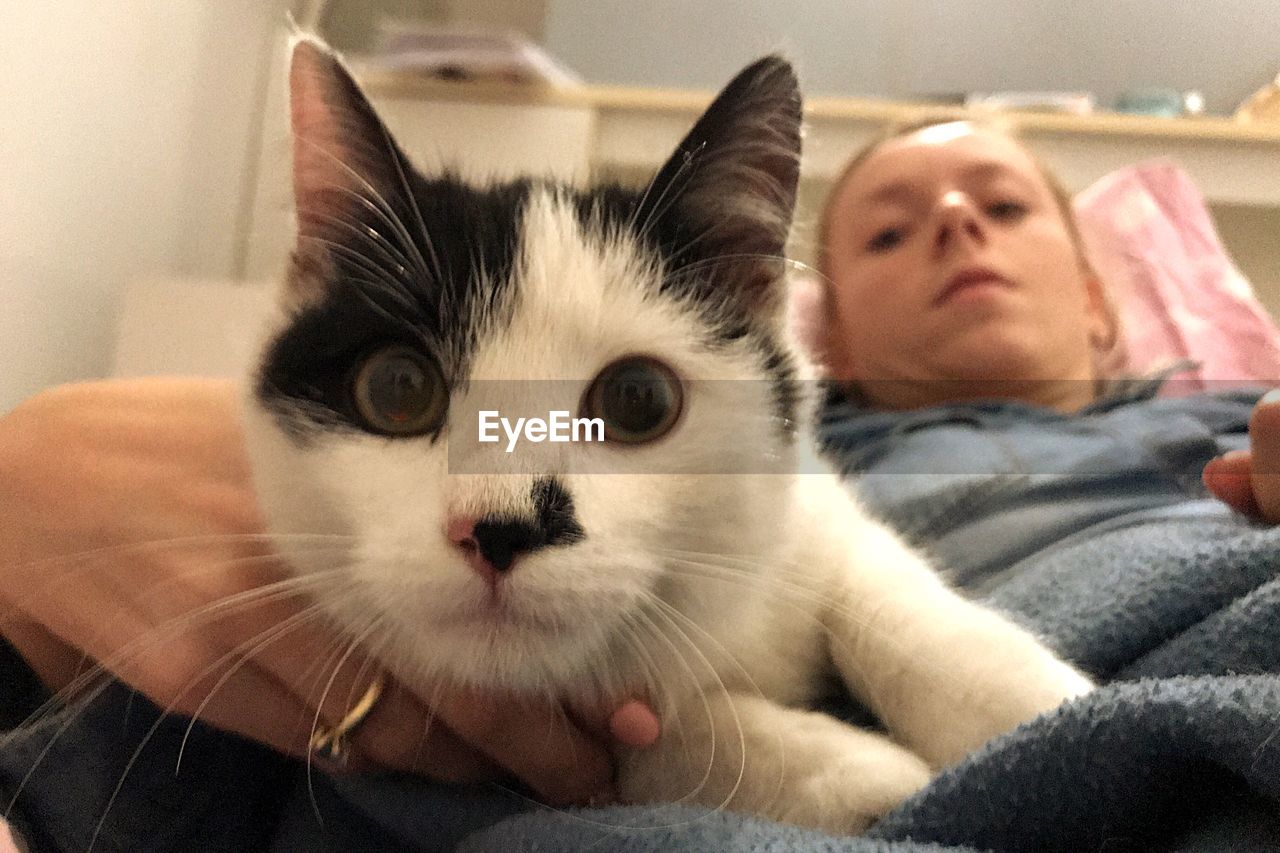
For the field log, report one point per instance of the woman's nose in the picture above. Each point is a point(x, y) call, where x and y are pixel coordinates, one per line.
point(958, 221)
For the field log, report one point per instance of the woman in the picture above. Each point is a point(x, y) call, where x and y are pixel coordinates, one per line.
point(956, 272)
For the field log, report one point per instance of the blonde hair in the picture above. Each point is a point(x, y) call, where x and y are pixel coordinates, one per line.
point(1109, 355)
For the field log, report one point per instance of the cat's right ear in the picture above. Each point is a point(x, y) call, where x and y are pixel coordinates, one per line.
point(349, 176)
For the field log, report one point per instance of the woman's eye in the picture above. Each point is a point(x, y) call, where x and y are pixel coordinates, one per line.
point(886, 239)
point(1007, 210)
point(638, 398)
point(400, 391)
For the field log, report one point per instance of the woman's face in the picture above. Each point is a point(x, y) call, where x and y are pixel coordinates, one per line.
point(950, 260)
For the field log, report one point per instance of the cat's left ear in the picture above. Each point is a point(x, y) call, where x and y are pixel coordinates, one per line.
point(729, 191)
point(349, 176)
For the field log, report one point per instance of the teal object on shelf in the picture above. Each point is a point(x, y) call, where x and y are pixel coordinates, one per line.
point(1151, 102)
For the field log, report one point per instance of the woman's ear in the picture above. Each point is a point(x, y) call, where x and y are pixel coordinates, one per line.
point(1110, 354)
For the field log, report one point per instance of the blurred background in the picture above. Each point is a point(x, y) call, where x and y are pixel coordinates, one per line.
point(145, 152)
point(903, 49)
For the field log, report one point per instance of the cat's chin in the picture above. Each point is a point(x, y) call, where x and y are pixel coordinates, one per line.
point(510, 651)
point(489, 621)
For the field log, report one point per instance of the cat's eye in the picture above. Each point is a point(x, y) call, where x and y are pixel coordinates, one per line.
point(400, 391)
point(638, 398)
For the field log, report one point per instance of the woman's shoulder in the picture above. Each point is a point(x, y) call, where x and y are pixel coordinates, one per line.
point(1129, 425)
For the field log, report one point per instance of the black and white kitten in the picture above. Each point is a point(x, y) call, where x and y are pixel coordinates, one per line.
point(728, 589)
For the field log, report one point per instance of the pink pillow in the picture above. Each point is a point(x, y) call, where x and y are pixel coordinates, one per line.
point(1150, 236)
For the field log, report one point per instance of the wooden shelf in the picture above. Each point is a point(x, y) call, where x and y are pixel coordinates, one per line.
point(898, 112)
point(680, 101)
point(635, 129)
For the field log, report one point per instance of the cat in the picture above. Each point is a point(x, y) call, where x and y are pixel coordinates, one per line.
point(729, 589)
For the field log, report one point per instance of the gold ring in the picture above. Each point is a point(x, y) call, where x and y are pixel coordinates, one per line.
point(332, 742)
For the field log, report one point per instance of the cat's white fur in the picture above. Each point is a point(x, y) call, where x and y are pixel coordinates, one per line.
point(769, 581)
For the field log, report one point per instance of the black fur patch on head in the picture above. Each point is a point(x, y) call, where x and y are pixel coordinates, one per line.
point(470, 238)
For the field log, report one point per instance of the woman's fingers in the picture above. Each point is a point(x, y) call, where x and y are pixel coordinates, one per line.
point(1229, 479)
point(1264, 444)
point(1249, 480)
point(635, 725)
point(8, 840)
point(536, 741)
point(399, 732)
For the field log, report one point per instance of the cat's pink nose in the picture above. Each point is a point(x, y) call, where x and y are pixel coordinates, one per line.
point(460, 531)
point(493, 544)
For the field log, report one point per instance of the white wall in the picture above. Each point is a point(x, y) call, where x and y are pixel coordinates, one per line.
point(900, 48)
point(126, 130)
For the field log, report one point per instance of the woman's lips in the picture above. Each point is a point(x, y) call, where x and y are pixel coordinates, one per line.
point(968, 280)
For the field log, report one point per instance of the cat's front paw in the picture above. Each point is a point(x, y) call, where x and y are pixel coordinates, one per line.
point(849, 794)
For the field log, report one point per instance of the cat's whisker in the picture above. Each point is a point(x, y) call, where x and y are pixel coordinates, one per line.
point(276, 631)
point(434, 702)
point(354, 643)
point(375, 238)
point(756, 570)
point(658, 611)
point(383, 208)
point(737, 567)
point(634, 623)
point(163, 633)
point(678, 182)
point(649, 667)
point(751, 575)
point(391, 265)
point(242, 654)
point(812, 271)
point(755, 575)
point(807, 594)
point(751, 568)
point(381, 280)
point(656, 630)
point(651, 671)
point(711, 721)
point(755, 687)
point(366, 295)
point(738, 257)
point(75, 691)
point(172, 577)
point(413, 205)
point(176, 542)
point(692, 243)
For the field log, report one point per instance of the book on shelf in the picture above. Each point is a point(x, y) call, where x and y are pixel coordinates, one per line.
point(466, 54)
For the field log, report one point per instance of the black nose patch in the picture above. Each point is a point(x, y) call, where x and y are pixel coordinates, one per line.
point(502, 538)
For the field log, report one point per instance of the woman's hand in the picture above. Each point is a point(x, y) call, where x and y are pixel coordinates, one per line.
point(1249, 480)
point(8, 844)
point(130, 537)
